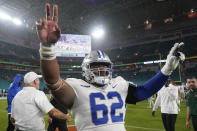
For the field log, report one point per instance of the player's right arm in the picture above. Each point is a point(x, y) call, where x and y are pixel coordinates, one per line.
point(58, 114)
point(49, 32)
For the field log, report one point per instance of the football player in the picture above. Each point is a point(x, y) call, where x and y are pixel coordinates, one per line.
point(97, 101)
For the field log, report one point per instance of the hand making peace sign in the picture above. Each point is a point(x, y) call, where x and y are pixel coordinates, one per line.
point(47, 29)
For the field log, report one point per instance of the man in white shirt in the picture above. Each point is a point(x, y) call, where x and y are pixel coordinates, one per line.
point(30, 104)
point(168, 98)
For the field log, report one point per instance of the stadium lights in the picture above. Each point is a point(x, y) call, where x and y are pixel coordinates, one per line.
point(98, 33)
point(16, 21)
point(5, 16)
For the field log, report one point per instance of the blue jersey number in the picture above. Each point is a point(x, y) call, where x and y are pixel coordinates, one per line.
point(102, 107)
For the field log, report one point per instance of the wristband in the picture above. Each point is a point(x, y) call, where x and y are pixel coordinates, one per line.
point(48, 51)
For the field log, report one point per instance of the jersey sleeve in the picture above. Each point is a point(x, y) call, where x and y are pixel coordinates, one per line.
point(150, 87)
point(42, 102)
point(131, 96)
point(72, 83)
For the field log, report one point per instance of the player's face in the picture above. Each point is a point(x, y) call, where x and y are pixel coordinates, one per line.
point(191, 83)
point(100, 69)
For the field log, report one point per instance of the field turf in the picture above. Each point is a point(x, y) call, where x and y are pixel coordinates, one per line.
point(138, 118)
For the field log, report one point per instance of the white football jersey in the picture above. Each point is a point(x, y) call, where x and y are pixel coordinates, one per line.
point(99, 109)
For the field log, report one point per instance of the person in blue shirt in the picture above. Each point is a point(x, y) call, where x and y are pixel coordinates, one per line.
point(14, 88)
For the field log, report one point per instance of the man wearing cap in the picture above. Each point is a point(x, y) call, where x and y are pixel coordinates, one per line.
point(30, 104)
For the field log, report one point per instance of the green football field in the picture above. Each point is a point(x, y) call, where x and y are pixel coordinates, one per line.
point(138, 118)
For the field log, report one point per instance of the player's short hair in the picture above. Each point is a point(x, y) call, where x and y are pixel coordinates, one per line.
point(191, 77)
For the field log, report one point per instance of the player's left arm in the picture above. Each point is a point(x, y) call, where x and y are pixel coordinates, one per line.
point(157, 82)
point(151, 86)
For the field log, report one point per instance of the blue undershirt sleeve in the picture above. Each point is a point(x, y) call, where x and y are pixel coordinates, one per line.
point(150, 87)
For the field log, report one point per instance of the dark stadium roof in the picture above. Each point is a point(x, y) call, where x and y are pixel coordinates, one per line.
point(80, 16)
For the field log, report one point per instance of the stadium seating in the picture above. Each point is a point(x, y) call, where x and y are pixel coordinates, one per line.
point(121, 55)
point(7, 76)
point(21, 52)
point(137, 76)
point(4, 84)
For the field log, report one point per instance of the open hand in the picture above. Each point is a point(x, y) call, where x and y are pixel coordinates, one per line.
point(173, 59)
point(12, 120)
point(50, 120)
point(187, 124)
point(68, 118)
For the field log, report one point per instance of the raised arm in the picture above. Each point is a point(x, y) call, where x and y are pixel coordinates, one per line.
point(49, 32)
point(157, 82)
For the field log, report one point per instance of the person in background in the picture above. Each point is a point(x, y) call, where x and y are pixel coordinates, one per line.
point(168, 98)
point(191, 102)
point(55, 122)
point(182, 91)
point(30, 104)
point(14, 88)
